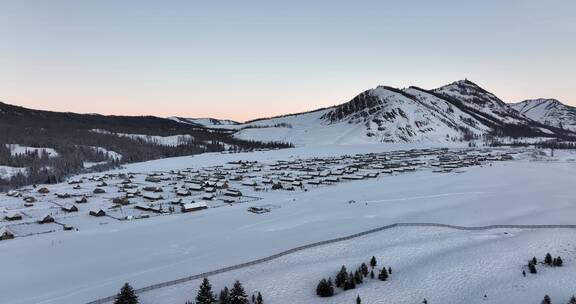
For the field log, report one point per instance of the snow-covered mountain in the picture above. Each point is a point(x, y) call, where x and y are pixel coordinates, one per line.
point(205, 122)
point(549, 112)
point(459, 111)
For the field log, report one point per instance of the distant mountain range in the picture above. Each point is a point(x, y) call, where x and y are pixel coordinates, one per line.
point(460, 111)
point(549, 112)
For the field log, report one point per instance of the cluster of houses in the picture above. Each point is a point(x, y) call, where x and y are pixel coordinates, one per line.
point(126, 196)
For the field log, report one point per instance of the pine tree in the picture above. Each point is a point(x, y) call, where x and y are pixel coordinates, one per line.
point(325, 289)
point(237, 294)
point(224, 296)
point(546, 300)
point(350, 284)
point(358, 277)
point(372, 274)
point(558, 262)
point(534, 261)
point(358, 300)
point(259, 299)
point(548, 259)
point(341, 277)
point(532, 268)
point(126, 295)
point(572, 300)
point(373, 262)
point(383, 276)
point(205, 295)
point(364, 269)
point(389, 270)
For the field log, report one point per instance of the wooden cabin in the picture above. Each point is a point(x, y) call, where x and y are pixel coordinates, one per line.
point(69, 208)
point(97, 212)
point(46, 219)
point(190, 207)
point(6, 234)
point(13, 216)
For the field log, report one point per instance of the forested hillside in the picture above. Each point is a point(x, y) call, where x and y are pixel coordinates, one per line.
point(91, 142)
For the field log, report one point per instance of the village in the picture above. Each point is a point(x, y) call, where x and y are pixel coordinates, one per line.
point(41, 209)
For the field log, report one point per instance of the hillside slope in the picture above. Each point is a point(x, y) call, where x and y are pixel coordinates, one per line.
point(460, 111)
point(549, 112)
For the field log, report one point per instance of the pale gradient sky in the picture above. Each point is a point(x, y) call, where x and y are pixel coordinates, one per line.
point(248, 59)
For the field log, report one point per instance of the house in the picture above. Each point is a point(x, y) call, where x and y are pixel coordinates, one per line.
point(248, 183)
point(233, 193)
point(146, 207)
point(29, 199)
point(46, 219)
point(189, 207)
point(153, 189)
point(183, 193)
point(210, 189)
point(6, 234)
point(209, 196)
point(258, 210)
point(81, 200)
point(13, 216)
point(97, 212)
point(62, 195)
point(195, 187)
point(152, 196)
point(121, 201)
point(69, 208)
point(153, 179)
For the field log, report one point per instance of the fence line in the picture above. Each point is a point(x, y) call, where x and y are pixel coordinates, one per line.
point(326, 242)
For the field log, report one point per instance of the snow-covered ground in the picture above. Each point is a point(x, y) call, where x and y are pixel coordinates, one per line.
point(7, 172)
point(16, 149)
point(436, 264)
point(173, 140)
point(440, 264)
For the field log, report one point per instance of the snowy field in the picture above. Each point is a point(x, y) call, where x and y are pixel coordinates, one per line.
point(444, 265)
point(436, 264)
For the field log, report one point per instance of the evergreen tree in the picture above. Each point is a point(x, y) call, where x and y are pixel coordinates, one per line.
point(532, 268)
point(325, 289)
point(224, 295)
point(548, 259)
point(237, 294)
point(364, 269)
point(373, 262)
point(259, 299)
point(126, 295)
point(205, 295)
point(358, 300)
point(389, 270)
point(253, 298)
point(350, 284)
point(383, 276)
point(358, 277)
point(572, 300)
point(341, 277)
point(546, 300)
point(558, 262)
point(372, 274)
point(534, 261)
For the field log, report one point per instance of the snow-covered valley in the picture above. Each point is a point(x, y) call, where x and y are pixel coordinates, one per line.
point(435, 263)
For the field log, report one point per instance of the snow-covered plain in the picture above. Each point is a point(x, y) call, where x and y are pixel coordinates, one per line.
point(445, 265)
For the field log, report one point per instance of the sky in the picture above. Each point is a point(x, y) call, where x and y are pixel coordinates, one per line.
point(249, 59)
